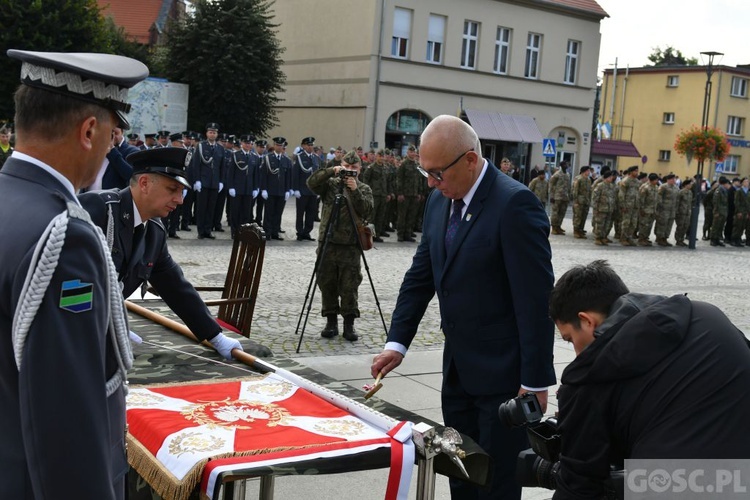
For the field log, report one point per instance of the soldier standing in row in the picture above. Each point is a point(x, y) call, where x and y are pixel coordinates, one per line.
point(376, 176)
point(666, 205)
point(275, 185)
point(628, 205)
point(305, 164)
point(648, 195)
point(540, 187)
point(206, 175)
point(242, 184)
point(581, 196)
point(559, 192)
point(409, 194)
point(5, 148)
point(258, 203)
point(602, 200)
point(708, 214)
point(741, 215)
point(682, 212)
point(720, 210)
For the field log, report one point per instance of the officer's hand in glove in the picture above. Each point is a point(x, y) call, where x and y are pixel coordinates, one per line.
point(197, 186)
point(221, 186)
point(264, 194)
point(232, 192)
point(297, 194)
point(255, 194)
point(224, 345)
point(286, 196)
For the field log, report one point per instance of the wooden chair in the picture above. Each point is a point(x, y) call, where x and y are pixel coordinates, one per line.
point(240, 289)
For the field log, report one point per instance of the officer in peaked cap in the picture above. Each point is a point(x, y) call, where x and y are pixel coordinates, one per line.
point(67, 107)
point(206, 175)
point(305, 164)
point(162, 138)
point(275, 185)
point(149, 141)
point(133, 139)
point(175, 140)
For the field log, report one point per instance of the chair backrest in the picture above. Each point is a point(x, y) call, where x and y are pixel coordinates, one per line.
point(243, 279)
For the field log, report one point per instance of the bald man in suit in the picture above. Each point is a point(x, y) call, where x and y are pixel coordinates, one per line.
point(485, 253)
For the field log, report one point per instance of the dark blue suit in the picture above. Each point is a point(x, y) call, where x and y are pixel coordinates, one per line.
point(206, 166)
point(307, 204)
point(493, 286)
point(59, 432)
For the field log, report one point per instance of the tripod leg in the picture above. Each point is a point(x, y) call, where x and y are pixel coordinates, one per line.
point(332, 221)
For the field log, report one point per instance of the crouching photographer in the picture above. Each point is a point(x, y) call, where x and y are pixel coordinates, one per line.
point(654, 378)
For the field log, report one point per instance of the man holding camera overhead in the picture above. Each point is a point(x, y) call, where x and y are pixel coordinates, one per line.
point(339, 270)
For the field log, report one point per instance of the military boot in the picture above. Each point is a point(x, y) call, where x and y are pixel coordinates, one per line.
point(644, 243)
point(579, 234)
point(350, 333)
point(705, 235)
point(332, 327)
point(717, 243)
point(681, 243)
point(600, 242)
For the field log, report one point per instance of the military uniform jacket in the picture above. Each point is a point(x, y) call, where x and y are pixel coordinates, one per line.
point(581, 190)
point(376, 176)
point(327, 185)
point(684, 202)
point(304, 166)
point(741, 202)
point(58, 430)
point(559, 186)
point(207, 165)
point(408, 179)
point(647, 198)
point(666, 203)
point(628, 193)
point(602, 198)
point(276, 174)
point(242, 173)
point(540, 187)
point(721, 201)
point(150, 262)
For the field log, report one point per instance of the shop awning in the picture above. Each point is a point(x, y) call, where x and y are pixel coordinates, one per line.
point(614, 148)
point(494, 126)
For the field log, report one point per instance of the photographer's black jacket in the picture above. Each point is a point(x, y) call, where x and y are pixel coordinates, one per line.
point(665, 378)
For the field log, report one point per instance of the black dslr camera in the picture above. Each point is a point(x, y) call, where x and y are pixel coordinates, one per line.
point(344, 173)
point(539, 466)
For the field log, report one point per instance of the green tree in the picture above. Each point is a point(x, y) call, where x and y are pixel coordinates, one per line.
point(46, 25)
point(228, 53)
point(670, 57)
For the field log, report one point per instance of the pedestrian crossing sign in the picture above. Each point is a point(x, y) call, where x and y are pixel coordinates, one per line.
point(548, 147)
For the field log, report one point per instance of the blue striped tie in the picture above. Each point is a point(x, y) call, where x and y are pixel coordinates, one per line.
point(453, 222)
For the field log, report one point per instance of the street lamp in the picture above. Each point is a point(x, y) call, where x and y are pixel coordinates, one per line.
point(704, 125)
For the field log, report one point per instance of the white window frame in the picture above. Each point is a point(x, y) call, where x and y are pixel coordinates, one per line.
point(668, 118)
point(401, 33)
point(665, 155)
point(470, 45)
point(735, 125)
point(739, 87)
point(673, 80)
point(435, 39)
point(502, 50)
point(571, 62)
point(533, 53)
point(731, 163)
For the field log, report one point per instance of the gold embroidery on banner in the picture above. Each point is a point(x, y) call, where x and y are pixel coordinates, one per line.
point(143, 399)
point(340, 427)
point(232, 413)
point(192, 442)
point(280, 389)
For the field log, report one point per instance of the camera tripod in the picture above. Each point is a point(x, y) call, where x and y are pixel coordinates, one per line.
point(339, 201)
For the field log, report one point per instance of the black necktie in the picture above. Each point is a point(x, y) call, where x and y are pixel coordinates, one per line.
point(453, 222)
point(138, 236)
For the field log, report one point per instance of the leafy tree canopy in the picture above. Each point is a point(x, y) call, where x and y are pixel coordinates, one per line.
point(227, 51)
point(670, 57)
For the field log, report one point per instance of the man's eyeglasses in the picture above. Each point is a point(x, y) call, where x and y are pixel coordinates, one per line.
point(438, 174)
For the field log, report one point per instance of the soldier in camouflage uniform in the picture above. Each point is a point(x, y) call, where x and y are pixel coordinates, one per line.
point(647, 197)
point(540, 187)
point(666, 205)
point(720, 204)
point(627, 197)
point(391, 211)
point(682, 213)
point(603, 203)
point(409, 193)
point(581, 195)
point(559, 194)
point(339, 270)
point(708, 213)
point(741, 214)
point(376, 176)
point(5, 148)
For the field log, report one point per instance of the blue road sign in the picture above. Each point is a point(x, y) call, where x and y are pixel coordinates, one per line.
point(549, 147)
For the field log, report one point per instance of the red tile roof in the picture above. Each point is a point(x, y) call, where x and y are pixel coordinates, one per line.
point(588, 6)
point(614, 148)
point(135, 16)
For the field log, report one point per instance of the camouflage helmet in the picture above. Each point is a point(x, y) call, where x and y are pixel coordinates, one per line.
point(351, 158)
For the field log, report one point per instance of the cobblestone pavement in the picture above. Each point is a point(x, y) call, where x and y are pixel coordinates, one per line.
point(716, 275)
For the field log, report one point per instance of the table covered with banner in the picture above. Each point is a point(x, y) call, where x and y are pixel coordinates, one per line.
point(197, 422)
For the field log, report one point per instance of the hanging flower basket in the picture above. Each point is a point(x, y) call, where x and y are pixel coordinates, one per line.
point(702, 144)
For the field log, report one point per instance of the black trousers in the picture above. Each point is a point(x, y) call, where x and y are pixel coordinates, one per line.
point(239, 211)
point(257, 207)
point(204, 210)
point(476, 416)
point(307, 209)
point(221, 200)
point(272, 219)
point(187, 209)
